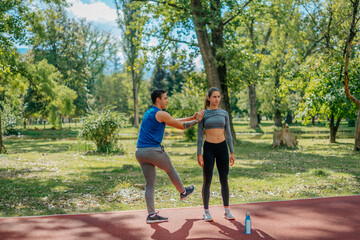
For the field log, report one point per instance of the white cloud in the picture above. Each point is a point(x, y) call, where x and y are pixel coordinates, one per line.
point(95, 11)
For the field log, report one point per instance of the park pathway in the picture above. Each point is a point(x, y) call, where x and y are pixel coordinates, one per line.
point(320, 218)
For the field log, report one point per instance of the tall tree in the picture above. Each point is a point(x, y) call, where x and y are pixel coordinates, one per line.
point(285, 51)
point(15, 16)
point(247, 52)
point(179, 20)
point(76, 48)
point(98, 50)
point(352, 33)
point(12, 30)
point(132, 24)
point(324, 96)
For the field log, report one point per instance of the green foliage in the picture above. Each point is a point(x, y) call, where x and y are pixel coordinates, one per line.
point(43, 77)
point(76, 48)
point(101, 128)
point(61, 105)
point(324, 95)
point(53, 116)
point(190, 99)
point(12, 30)
point(171, 72)
point(45, 95)
point(190, 134)
point(116, 90)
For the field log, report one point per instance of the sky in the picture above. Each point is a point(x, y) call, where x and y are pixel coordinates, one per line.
point(101, 13)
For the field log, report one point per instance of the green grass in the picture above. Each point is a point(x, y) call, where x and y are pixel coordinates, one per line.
point(43, 175)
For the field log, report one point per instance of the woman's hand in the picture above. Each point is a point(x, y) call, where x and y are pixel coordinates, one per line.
point(200, 160)
point(232, 159)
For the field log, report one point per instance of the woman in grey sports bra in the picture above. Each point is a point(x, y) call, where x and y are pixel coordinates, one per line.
point(216, 126)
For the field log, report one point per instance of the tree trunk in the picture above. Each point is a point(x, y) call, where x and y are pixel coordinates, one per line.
point(216, 76)
point(254, 117)
point(2, 147)
point(357, 133)
point(284, 138)
point(334, 128)
point(253, 108)
point(347, 52)
point(135, 96)
point(313, 120)
point(259, 118)
point(277, 118)
point(289, 118)
point(207, 54)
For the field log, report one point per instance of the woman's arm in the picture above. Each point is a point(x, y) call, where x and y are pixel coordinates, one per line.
point(228, 135)
point(200, 137)
point(200, 143)
point(229, 139)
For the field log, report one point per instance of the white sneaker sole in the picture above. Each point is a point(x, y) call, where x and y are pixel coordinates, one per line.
point(156, 221)
point(208, 220)
point(227, 218)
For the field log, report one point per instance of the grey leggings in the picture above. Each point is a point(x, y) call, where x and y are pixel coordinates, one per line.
point(149, 158)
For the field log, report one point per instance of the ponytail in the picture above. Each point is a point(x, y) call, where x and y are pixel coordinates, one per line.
point(207, 102)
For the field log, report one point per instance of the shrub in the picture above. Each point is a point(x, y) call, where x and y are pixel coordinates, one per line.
point(101, 128)
point(190, 133)
point(9, 120)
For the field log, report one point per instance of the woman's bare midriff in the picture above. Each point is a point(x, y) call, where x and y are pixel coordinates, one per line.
point(215, 135)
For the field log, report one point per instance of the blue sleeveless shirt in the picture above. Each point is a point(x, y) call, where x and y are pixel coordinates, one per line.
point(151, 130)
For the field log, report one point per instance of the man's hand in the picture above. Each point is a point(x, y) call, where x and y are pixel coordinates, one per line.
point(199, 115)
point(232, 159)
point(200, 160)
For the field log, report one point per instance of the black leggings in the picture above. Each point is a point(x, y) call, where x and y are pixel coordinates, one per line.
point(219, 152)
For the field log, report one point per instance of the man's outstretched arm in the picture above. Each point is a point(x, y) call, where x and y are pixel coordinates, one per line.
point(165, 117)
point(190, 118)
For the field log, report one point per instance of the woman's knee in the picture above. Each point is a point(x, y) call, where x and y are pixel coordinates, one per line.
point(224, 180)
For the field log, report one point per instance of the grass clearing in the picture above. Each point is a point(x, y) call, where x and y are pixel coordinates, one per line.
point(42, 176)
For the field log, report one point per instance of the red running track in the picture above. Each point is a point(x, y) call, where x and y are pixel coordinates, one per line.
point(321, 218)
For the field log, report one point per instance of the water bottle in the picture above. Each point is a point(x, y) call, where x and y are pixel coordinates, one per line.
point(247, 223)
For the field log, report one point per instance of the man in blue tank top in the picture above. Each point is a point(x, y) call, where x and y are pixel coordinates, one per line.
point(150, 154)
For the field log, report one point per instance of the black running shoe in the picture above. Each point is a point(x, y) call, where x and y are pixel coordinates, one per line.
point(156, 218)
point(189, 190)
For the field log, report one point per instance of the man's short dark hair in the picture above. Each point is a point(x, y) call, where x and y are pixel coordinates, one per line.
point(157, 93)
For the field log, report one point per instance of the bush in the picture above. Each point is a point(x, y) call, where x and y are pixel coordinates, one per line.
point(190, 133)
point(101, 128)
point(351, 122)
point(8, 121)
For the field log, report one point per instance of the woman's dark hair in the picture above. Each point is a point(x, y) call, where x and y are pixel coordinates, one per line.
point(157, 93)
point(208, 95)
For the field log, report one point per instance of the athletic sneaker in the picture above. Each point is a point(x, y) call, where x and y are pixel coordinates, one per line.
point(229, 216)
point(188, 191)
point(207, 217)
point(155, 218)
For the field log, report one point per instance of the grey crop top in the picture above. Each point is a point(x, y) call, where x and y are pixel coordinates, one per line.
point(217, 118)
